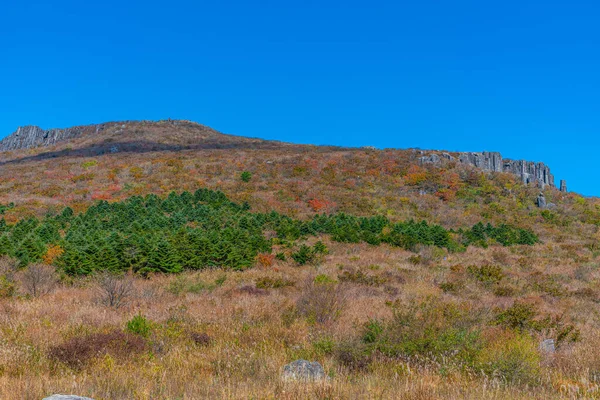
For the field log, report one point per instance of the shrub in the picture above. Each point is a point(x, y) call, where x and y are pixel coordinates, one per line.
point(511, 357)
point(319, 304)
point(273, 283)
point(139, 325)
point(353, 355)
point(265, 260)
point(8, 269)
point(323, 279)
point(487, 274)
point(324, 346)
point(39, 279)
point(451, 287)
point(357, 276)
point(114, 291)
point(78, 351)
point(252, 290)
point(201, 338)
point(520, 316)
point(304, 255)
point(246, 176)
point(428, 329)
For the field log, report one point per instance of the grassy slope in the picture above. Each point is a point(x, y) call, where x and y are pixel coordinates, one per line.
point(252, 333)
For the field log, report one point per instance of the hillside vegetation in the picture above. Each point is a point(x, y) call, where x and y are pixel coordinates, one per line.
point(186, 266)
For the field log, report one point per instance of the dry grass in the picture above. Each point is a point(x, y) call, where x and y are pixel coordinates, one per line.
point(223, 342)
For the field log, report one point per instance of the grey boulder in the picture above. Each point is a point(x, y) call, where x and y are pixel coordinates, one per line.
point(66, 397)
point(302, 370)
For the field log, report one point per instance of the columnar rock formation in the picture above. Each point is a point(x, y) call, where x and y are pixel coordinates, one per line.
point(527, 171)
point(563, 185)
point(27, 137)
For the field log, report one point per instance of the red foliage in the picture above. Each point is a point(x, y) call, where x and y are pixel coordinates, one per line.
point(320, 205)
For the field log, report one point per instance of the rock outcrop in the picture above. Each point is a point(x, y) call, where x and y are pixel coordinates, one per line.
point(527, 171)
point(563, 186)
point(27, 137)
point(66, 397)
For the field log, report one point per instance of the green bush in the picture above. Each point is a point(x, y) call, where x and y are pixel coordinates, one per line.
point(246, 176)
point(430, 329)
point(487, 274)
point(139, 325)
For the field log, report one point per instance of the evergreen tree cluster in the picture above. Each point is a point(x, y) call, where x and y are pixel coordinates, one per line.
point(205, 229)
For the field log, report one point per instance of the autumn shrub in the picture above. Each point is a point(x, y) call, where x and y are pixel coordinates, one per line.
point(76, 352)
point(8, 270)
point(321, 303)
point(355, 275)
point(39, 279)
point(252, 290)
point(488, 275)
point(114, 290)
point(268, 282)
point(265, 259)
point(524, 317)
point(201, 338)
point(510, 357)
point(431, 329)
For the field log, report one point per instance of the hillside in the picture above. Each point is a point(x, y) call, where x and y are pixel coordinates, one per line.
point(406, 273)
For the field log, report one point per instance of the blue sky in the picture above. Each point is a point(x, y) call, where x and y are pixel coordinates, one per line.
point(519, 77)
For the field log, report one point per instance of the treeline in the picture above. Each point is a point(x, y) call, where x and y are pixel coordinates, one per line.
point(205, 229)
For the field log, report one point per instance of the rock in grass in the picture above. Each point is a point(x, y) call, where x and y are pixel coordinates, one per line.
point(548, 346)
point(302, 370)
point(66, 397)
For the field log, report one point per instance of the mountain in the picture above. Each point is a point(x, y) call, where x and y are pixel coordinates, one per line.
point(139, 136)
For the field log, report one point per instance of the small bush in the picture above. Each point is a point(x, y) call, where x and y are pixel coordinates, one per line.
point(487, 274)
point(273, 283)
point(139, 325)
point(359, 277)
point(511, 357)
point(323, 279)
point(304, 255)
point(201, 338)
point(265, 260)
point(451, 287)
point(39, 279)
point(252, 290)
point(246, 176)
point(310, 255)
point(352, 355)
point(114, 291)
point(324, 346)
point(319, 304)
point(78, 351)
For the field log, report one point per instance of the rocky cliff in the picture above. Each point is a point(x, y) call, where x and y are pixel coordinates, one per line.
point(527, 171)
point(27, 137)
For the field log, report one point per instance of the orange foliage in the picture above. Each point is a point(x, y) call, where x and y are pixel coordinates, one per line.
point(265, 259)
point(320, 205)
point(53, 252)
point(415, 175)
point(101, 196)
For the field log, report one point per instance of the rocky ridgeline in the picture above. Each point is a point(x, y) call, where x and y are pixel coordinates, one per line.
point(527, 171)
point(27, 137)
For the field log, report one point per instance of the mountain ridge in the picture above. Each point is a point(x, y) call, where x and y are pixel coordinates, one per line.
point(186, 133)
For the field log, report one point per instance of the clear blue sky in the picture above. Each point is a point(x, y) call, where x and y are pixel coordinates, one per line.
point(519, 77)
